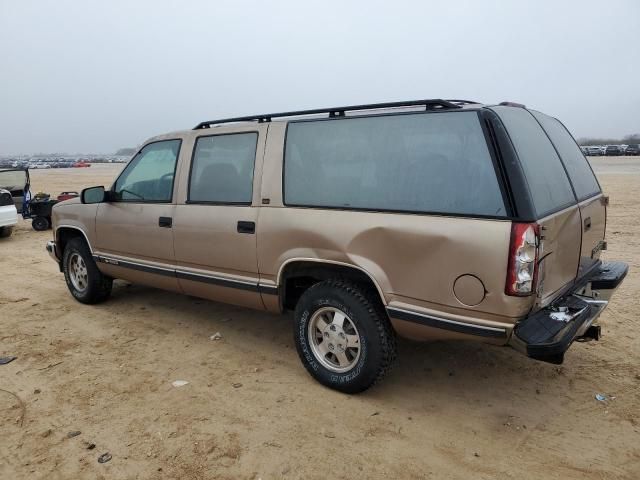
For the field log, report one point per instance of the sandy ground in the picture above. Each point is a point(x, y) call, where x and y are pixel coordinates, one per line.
point(448, 410)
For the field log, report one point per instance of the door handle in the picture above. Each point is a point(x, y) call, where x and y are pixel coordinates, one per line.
point(587, 224)
point(165, 222)
point(246, 227)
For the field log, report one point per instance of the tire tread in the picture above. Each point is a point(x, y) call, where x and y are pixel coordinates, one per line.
point(370, 302)
point(99, 285)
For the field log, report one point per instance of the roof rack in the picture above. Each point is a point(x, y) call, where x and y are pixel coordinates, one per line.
point(435, 104)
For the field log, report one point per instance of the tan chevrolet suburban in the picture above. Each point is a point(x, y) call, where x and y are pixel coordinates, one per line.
point(431, 219)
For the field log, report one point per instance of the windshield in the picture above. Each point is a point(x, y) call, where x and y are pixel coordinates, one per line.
point(13, 179)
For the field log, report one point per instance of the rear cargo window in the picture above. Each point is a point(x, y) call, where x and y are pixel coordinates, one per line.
point(431, 163)
point(582, 177)
point(547, 180)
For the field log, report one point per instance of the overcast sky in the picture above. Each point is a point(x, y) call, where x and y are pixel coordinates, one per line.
point(94, 76)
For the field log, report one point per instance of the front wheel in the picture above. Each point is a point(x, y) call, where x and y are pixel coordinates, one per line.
point(343, 336)
point(85, 282)
point(6, 232)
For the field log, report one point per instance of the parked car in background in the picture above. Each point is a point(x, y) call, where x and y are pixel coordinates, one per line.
point(8, 213)
point(594, 151)
point(613, 150)
point(431, 219)
point(633, 149)
point(67, 195)
point(16, 181)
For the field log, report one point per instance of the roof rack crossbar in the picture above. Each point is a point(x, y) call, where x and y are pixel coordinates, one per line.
point(434, 104)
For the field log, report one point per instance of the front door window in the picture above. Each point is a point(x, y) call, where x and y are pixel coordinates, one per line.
point(149, 176)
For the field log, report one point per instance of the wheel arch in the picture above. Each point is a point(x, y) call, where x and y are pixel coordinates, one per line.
point(64, 233)
point(295, 275)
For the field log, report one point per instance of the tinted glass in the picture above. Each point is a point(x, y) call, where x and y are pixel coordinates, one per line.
point(580, 173)
point(434, 162)
point(13, 179)
point(93, 195)
point(547, 180)
point(149, 175)
point(222, 169)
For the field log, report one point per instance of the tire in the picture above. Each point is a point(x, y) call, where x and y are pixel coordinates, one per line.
point(6, 232)
point(365, 315)
point(40, 224)
point(85, 282)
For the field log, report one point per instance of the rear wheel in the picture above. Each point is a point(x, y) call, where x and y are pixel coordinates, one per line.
point(40, 224)
point(85, 282)
point(6, 232)
point(343, 336)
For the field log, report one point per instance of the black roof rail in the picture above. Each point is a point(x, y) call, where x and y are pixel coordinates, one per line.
point(434, 104)
point(463, 102)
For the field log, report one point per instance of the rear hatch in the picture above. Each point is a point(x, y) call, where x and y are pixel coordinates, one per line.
point(592, 203)
point(566, 198)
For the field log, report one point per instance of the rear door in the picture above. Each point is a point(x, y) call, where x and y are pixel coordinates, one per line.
point(553, 200)
point(215, 220)
point(592, 203)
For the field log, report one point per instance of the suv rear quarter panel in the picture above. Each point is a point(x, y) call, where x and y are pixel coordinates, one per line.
point(414, 259)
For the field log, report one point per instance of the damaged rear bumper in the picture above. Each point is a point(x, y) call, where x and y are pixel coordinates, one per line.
point(548, 333)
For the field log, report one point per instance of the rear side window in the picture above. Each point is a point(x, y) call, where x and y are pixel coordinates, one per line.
point(222, 169)
point(425, 162)
point(582, 177)
point(543, 170)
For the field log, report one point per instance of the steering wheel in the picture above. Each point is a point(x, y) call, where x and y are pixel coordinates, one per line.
point(167, 176)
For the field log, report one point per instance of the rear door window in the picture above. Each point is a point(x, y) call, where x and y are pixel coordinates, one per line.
point(222, 169)
point(582, 177)
point(548, 182)
point(424, 162)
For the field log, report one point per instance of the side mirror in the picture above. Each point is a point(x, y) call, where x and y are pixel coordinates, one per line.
point(92, 195)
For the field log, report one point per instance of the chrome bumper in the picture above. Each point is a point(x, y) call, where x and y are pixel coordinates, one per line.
point(53, 253)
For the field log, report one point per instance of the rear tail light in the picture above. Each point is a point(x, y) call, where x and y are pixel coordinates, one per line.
point(523, 259)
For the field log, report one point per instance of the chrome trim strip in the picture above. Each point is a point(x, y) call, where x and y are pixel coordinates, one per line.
point(134, 266)
point(446, 324)
point(223, 282)
point(253, 286)
point(188, 273)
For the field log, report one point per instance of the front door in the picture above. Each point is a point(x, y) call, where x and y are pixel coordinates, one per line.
point(215, 225)
point(134, 239)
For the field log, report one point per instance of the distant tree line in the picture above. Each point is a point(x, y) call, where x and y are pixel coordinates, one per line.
point(627, 139)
